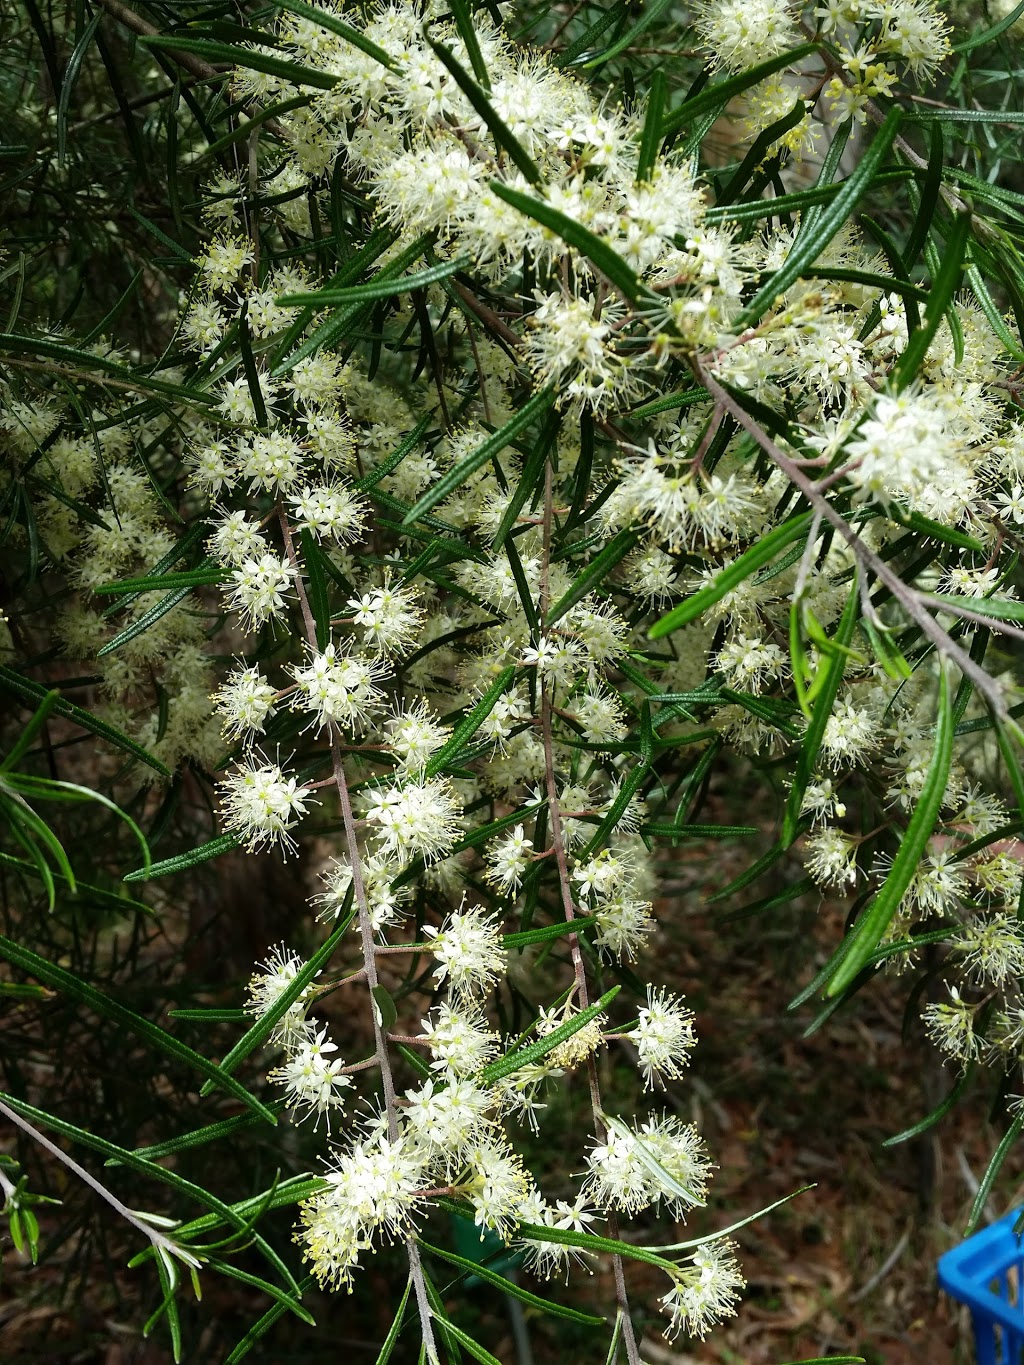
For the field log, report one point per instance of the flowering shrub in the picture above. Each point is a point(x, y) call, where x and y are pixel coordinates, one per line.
point(525, 468)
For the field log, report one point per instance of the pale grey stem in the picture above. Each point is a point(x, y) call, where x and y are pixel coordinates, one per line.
point(912, 602)
point(135, 22)
point(807, 558)
point(976, 618)
point(8, 1186)
point(368, 945)
point(164, 1246)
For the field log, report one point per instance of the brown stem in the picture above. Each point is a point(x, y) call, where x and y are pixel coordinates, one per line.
point(145, 29)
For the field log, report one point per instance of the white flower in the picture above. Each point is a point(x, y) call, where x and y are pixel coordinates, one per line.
point(664, 1036)
point(555, 657)
point(663, 1160)
point(212, 469)
point(390, 617)
point(460, 1042)
point(748, 663)
point(604, 876)
point(313, 1082)
point(446, 1120)
point(992, 949)
point(469, 951)
point(236, 539)
point(821, 801)
point(266, 986)
point(623, 925)
point(547, 1259)
point(951, 1028)
point(905, 446)
point(1011, 504)
point(705, 1291)
point(329, 513)
point(508, 859)
point(497, 1187)
point(259, 588)
point(371, 1192)
point(600, 715)
point(509, 710)
point(273, 463)
point(568, 346)
point(851, 733)
point(383, 899)
point(652, 575)
point(418, 818)
point(261, 804)
point(338, 687)
point(224, 260)
point(743, 33)
point(246, 701)
point(830, 857)
point(414, 734)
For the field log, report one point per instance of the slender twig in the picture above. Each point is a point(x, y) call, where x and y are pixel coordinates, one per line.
point(145, 29)
point(368, 945)
point(163, 1246)
point(912, 601)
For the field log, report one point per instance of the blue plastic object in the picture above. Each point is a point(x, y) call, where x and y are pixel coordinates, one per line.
point(987, 1273)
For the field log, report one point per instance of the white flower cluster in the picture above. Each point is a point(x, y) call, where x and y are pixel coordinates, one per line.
point(91, 485)
point(314, 1081)
point(447, 604)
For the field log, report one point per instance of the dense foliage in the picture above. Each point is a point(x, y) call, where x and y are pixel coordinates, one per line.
point(438, 441)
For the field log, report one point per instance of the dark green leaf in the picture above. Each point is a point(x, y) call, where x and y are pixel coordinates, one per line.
point(939, 1112)
point(247, 58)
point(549, 1305)
point(868, 930)
point(717, 96)
point(377, 288)
point(31, 691)
point(812, 242)
point(181, 861)
point(61, 980)
point(652, 11)
point(454, 478)
point(730, 577)
point(470, 723)
point(824, 702)
point(944, 287)
point(596, 572)
point(587, 243)
point(329, 20)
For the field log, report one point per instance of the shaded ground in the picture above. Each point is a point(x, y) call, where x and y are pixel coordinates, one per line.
point(848, 1266)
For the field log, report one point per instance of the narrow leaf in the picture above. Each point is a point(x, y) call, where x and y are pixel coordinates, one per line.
point(329, 20)
point(504, 436)
point(587, 243)
point(62, 980)
point(868, 931)
point(377, 288)
point(470, 723)
point(812, 243)
point(730, 577)
point(31, 691)
point(182, 861)
point(832, 676)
